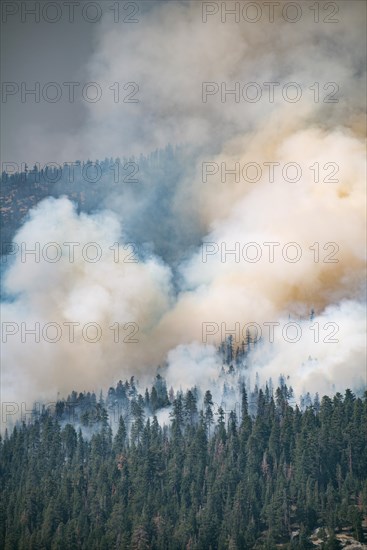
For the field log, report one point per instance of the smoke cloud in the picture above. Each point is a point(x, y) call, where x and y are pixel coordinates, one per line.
point(318, 205)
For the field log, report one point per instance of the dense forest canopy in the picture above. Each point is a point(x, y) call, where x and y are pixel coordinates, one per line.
point(103, 472)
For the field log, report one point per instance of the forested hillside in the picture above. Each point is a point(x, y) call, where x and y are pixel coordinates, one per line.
point(114, 183)
point(183, 262)
point(78, 477)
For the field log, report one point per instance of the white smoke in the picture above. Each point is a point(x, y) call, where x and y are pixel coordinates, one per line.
point(182, 53)
point(107, 292)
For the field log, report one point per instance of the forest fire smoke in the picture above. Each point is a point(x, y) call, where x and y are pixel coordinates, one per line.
point(169, 301)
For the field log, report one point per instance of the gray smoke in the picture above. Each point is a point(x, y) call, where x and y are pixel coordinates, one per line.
point(170, 292)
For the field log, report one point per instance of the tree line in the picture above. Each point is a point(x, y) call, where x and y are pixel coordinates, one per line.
point(205, 479)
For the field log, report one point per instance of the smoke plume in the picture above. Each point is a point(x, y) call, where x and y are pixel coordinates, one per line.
point(170, 54)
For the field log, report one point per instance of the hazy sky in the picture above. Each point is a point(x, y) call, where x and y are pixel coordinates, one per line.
point(58, 52)
point(168, 66)
point(42, 52)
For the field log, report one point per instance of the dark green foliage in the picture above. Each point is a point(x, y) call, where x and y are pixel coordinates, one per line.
point(208, 481)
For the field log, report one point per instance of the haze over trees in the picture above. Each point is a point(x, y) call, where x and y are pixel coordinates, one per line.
point(134, 187)
point(104, 473)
